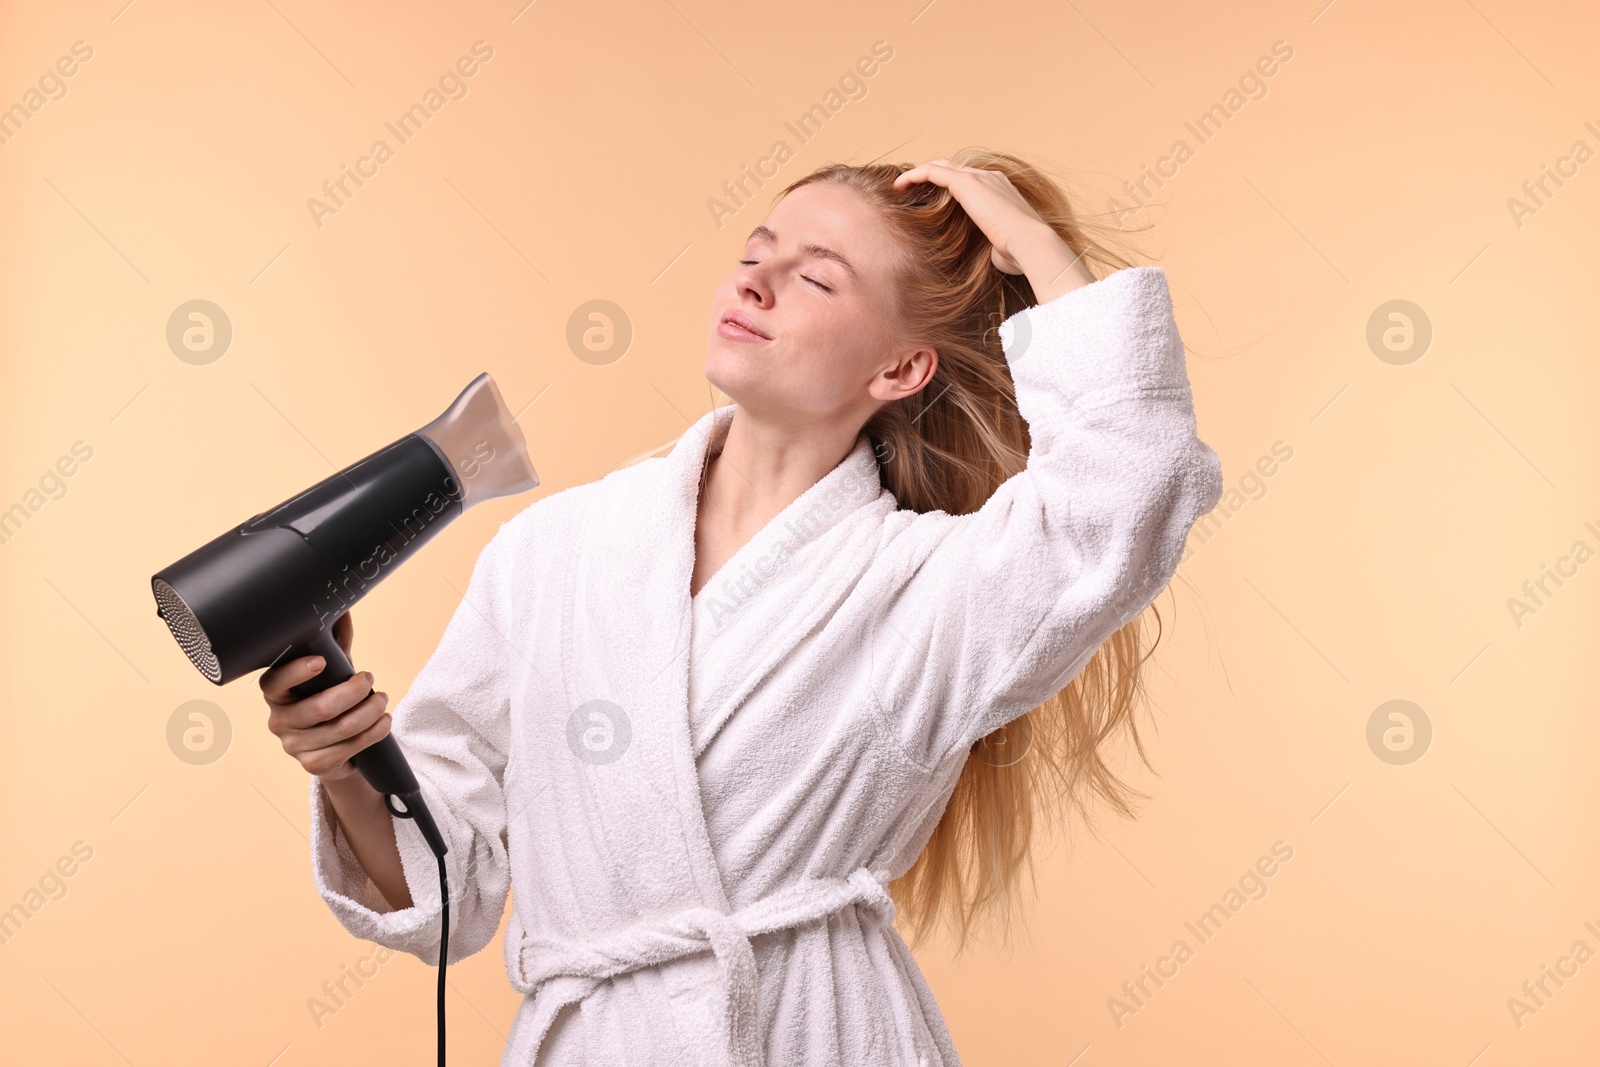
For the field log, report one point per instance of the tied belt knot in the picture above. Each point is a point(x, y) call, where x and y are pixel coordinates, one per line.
point(662, 939)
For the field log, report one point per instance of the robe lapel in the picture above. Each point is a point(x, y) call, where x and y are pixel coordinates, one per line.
point(628, 647)
point(779, 586)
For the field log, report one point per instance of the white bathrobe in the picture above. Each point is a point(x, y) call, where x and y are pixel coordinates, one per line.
point(699, 801)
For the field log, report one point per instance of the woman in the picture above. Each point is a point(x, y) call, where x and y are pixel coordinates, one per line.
point(702, 711)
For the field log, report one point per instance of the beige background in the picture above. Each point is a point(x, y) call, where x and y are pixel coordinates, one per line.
point(1375, 564)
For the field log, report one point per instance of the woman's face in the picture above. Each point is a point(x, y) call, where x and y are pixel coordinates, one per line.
point(816, 281)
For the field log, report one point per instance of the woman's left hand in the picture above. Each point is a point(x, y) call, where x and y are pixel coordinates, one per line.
point(1022, 242)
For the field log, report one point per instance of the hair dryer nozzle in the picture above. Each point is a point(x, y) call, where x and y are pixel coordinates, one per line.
point(480, 439)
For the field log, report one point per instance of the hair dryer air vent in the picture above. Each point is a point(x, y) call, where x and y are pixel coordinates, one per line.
point(187, 629)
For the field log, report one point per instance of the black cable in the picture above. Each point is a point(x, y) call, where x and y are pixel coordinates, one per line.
point(410, 806)
point(444, 950)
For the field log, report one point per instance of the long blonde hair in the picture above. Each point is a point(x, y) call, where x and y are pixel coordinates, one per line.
point(949, 447)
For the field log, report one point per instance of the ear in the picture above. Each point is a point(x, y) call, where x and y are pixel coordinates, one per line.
point(912, 370)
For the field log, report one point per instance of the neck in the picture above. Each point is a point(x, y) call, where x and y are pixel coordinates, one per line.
point(760, 468)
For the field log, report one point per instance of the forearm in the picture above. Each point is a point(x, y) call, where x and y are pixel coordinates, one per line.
point(1049, 263)
point(366, 823)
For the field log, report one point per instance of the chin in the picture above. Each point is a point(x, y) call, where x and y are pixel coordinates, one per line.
point(747, 378)
point(731, 372)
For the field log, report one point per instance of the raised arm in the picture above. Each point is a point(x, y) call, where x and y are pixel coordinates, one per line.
point(1002, 607)
point(453, 725)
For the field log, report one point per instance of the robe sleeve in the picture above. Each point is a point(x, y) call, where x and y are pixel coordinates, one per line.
point(1003, 607)
point(453, 725)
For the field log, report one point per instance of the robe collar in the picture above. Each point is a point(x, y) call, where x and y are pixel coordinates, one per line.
point(853, 482)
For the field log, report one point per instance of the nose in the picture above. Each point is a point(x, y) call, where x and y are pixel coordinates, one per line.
point(749, 281)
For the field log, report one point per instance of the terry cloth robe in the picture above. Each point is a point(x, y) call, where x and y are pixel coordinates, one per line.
point(699, 801)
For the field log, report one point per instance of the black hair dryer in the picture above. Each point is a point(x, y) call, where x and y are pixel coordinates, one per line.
point(270, 589)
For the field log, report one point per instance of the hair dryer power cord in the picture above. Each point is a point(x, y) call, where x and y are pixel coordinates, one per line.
point(411, 806)
point(444, 949)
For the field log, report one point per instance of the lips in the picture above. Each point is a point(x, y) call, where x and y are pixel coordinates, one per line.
point(744, 321)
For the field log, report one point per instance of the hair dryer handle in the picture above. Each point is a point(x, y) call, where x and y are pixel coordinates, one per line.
point(336, 665)
point(382, 764)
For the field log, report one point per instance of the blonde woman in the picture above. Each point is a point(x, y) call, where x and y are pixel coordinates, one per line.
point(722, 715)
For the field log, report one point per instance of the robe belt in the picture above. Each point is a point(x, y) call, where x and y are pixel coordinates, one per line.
point(666, 938)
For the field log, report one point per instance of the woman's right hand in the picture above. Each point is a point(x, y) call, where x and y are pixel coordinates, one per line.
point(325, 729)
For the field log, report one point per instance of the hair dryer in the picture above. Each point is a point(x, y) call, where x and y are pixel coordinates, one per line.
point(271, 588)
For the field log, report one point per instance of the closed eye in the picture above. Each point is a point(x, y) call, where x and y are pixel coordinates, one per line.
point(813, 281)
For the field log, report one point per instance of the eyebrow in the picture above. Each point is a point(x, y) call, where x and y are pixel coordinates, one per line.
point(810, 248)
